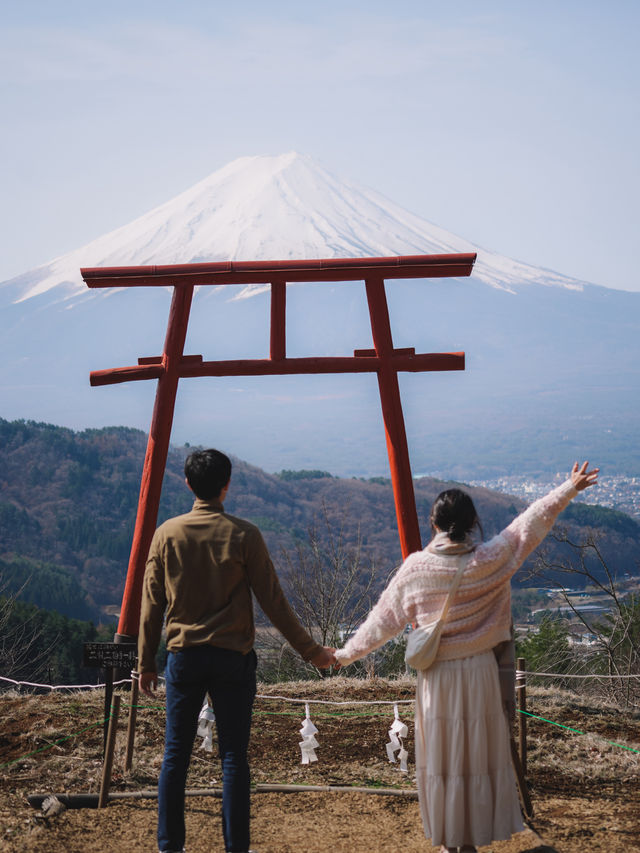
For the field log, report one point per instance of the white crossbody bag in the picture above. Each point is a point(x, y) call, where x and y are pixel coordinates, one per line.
point(423, 641)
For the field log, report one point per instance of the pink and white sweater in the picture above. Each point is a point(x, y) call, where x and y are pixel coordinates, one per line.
point(480, 615)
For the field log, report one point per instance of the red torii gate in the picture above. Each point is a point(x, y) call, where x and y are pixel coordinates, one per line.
point(173, 365)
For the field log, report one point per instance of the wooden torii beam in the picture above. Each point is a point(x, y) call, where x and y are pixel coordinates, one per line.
point(173, 365)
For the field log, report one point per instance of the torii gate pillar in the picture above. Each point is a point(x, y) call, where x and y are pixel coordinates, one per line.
point(168, 369)
point(395, 433)
point(155, 461)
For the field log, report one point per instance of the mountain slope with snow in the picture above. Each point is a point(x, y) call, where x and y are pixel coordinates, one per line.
point(553, 364)
point(266, 208)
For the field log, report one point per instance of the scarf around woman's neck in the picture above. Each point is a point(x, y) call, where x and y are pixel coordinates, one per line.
point(441, 544)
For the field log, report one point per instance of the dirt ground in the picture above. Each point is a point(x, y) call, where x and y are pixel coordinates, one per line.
point(585, 791)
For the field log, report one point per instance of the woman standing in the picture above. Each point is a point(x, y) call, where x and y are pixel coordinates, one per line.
point(466, 784)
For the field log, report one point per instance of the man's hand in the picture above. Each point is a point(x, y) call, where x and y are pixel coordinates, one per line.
point(148, 682)
point(581, 478)
point(324, 659)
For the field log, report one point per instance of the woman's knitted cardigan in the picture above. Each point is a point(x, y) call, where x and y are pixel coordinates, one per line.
point(480, 615)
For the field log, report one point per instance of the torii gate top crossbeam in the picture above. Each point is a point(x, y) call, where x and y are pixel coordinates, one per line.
point(264, 272)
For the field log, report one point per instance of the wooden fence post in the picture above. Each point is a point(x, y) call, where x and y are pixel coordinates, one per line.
point(521, 690)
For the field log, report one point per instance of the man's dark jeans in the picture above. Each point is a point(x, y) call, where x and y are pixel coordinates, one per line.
point(230, 679)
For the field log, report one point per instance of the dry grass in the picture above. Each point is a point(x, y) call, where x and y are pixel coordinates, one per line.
point(60, 736)
point(53, 743)
point(591, 757)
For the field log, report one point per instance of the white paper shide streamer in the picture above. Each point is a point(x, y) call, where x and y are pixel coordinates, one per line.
point(397, 732)
point(308, 744)
point(205, 726)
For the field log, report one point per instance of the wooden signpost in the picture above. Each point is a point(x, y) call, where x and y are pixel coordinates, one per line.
point(110, 657)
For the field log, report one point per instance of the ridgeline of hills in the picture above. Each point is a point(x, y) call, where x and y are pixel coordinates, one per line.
point(68, 502)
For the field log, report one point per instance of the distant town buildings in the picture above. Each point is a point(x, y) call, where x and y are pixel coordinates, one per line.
point(613, 491)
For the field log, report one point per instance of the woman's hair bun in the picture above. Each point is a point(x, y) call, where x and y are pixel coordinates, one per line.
point(456, 532)
point(453, 511)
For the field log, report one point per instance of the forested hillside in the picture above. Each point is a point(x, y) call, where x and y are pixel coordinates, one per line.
point(68, 502)
point(42, 645)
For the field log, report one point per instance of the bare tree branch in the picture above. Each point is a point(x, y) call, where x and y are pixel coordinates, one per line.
point(329, 586)
point(616, 650)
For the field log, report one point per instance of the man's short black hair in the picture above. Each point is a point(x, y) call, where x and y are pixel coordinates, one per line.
point(207, 472)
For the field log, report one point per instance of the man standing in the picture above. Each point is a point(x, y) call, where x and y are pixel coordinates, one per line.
point(201, 569)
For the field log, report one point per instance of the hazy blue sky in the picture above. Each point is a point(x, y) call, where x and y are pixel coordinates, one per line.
point(514, 124)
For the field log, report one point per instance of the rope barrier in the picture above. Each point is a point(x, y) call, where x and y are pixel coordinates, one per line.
point(62, 686)
point(330, 702)
point(278, 713)
point(522, 672)
point(325, 714)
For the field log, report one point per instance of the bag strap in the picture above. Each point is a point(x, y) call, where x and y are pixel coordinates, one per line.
point(454, 587)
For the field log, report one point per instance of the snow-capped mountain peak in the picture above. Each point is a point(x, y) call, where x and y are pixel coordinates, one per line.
point(266, 208)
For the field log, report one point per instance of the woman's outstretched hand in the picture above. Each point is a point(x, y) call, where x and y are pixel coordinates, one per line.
point(581, 478)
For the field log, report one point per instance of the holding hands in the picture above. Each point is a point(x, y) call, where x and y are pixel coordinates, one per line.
point(325, 658)
point(581, 478)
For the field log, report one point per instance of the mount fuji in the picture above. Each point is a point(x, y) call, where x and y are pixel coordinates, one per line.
point(552, 362)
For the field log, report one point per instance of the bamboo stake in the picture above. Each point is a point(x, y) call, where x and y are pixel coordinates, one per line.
point(108, 757)
point(79, 801)
point(131, 726)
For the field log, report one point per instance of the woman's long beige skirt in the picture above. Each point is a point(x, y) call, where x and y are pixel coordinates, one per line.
point(466, 782)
